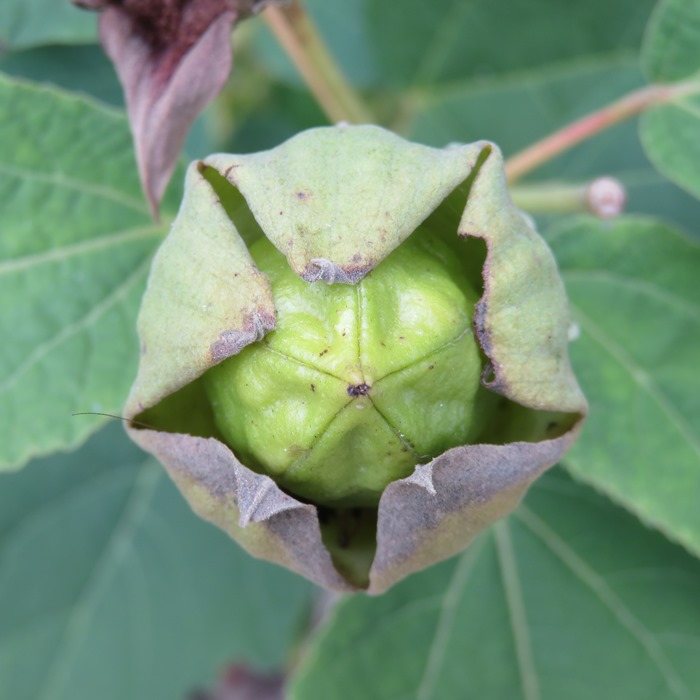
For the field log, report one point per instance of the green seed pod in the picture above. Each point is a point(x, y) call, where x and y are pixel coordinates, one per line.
point(354, 353)
point(357, 383)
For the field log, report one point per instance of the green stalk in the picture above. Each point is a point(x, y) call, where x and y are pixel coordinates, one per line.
point(298, 36)
point(603, 197)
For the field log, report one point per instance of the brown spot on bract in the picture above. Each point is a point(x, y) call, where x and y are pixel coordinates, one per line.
point(358, 389)
point(326, 270)
point(254, 327)
point(323, 352)
point(313, 387)
point(303, 196)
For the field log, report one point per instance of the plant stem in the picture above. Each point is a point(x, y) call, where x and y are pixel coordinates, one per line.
point(628, 106)
point(297, 35)
point(603, 197)
point(551, 198)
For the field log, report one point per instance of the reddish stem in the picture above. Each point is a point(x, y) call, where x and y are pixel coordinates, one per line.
point(628, 106)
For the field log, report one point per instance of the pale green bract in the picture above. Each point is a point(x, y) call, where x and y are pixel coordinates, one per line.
point(354, 352)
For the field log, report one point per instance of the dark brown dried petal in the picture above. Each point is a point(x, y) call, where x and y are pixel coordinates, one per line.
point(172, 57)
point(168, 77)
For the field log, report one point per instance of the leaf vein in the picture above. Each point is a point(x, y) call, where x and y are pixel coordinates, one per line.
point(442, 42)
point(516, 612)
point(73, 329)
point(443, 628)
point(112, 556)
point(60, 180)
point(684, 106)
point(600, 588)
point(635, 284)
point(60, 254)
point(640, 376)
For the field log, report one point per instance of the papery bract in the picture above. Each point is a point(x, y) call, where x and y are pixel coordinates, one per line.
point(335, 202)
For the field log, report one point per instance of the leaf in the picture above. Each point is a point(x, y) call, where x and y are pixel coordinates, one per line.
point(544, 101)
point(110, 588)
point(671, 132)
point(517, 91)
point(633, 289)
point(270, 120)
point(569, 598)
point(344, 29)
point(445, 42)
point(26, 23)
point(669, 53)
point(74, 254)
point(671, 138)
point(448, 41)
point(83, 69)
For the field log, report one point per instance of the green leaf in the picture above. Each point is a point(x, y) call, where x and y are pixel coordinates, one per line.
point(25, 23)
point(671, 132)
point(633, 290)
point(670, 50)
point(671, 138)
point(545, 100)
point(512, 92)
point(449, 40)
point(74, 255)
point(343, 28)
point(83, 69)
point(111, 588)
point(570, 598)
